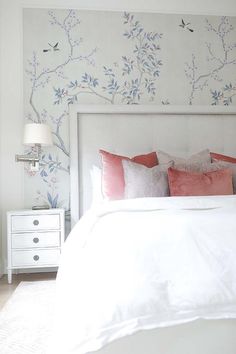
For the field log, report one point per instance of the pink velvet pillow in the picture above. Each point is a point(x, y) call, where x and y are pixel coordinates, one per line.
point(183, 183)
point(113, 184)
point(220, 157)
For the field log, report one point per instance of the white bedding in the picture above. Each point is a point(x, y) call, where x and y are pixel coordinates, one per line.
point(142, 264)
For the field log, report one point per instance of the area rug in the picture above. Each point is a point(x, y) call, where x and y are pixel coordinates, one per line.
point(26, 319)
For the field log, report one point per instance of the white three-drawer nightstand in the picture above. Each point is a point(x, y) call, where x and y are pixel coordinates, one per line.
point(34, 238)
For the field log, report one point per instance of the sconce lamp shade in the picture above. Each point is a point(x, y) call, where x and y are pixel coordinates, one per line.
point(37, 133)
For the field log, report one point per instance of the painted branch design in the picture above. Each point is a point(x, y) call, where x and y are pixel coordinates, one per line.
point(199, 81)
point(139, 72)
point(39, 78)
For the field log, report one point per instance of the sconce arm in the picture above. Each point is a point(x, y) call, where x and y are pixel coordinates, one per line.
point(27, 158)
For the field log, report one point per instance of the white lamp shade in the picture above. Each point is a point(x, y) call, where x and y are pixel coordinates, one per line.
point(37, 133)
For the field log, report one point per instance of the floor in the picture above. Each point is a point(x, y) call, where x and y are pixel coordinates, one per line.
point(6, 289)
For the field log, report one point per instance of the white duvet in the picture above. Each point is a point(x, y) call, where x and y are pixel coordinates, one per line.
point(142, 264)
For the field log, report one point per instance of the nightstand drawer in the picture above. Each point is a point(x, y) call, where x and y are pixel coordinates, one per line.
point(35, 240)
point(35, 222)
point(34, 258)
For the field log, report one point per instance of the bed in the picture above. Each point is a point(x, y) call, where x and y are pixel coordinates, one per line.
point(189, 311)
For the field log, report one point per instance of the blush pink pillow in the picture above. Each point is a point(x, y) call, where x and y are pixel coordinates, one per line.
point(182, 183)
point(220, 157)
point(113, 184)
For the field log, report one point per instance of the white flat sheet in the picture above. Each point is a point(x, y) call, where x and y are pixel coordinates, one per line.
point(142, 264)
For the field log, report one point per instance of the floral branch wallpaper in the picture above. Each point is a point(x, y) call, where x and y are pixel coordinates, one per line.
point(93, 57)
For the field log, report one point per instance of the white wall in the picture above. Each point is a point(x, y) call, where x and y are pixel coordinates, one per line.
point(0, 152)
point(11, 81)
point(11, 110)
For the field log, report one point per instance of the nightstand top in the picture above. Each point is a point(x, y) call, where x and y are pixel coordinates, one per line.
point(32, 212)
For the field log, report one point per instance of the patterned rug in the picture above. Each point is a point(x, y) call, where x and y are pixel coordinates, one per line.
point(26, 319)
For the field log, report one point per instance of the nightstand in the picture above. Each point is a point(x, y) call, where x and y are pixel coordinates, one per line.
point(34, 238)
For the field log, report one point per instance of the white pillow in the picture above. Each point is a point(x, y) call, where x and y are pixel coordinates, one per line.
point(96, 179)
point(201, 157)
point(142, 181)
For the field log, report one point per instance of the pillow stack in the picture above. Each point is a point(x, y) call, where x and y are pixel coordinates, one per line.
point(160, 175)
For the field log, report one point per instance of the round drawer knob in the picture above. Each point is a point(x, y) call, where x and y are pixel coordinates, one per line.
point(36, 257)
point(35, 239)
point(35, 222)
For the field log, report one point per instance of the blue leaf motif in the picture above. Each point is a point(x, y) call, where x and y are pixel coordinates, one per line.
point(50, 199)
point(91, 81)
point(73, 85)
point(54, 202)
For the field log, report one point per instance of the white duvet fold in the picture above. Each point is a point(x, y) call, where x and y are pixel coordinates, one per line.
point(145, 263)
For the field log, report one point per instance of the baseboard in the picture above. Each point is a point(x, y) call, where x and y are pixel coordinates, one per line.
point(37, 270)
point(31, 270)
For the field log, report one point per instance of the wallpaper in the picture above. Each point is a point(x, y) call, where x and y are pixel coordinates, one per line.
point(93, 57)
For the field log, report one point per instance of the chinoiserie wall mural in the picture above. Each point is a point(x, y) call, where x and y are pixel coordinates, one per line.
point(92, 57)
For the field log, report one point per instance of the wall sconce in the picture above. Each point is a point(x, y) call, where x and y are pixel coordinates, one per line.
point(37, 135)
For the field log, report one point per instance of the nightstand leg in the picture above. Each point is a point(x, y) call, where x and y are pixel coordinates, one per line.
point(9, 276)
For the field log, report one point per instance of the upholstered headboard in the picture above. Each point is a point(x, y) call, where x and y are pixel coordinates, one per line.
point(134, 129)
